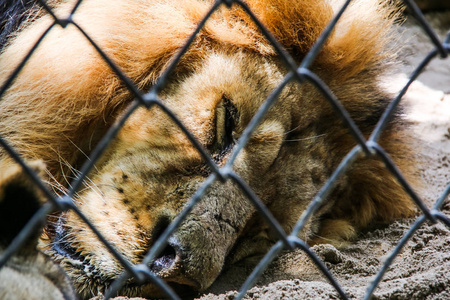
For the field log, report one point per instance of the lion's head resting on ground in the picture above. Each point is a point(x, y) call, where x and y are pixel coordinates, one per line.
point(66, 97)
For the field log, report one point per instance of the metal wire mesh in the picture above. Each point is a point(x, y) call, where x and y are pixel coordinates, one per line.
point(301, 74)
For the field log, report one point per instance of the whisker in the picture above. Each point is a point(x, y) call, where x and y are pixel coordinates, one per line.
point(307, 138)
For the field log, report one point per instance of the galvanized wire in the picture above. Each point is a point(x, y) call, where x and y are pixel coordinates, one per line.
point(149, 99)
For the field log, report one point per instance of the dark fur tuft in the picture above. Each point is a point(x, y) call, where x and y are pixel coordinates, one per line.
point(12, 15)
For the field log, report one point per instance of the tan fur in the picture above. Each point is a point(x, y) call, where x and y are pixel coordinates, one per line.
point(66, 97)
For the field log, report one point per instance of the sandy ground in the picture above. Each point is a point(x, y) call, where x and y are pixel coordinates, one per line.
point(422, 270)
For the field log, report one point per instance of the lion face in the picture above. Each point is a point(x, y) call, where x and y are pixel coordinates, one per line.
point(151, 171)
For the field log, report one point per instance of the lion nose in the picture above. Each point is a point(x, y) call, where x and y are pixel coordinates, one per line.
point(165, 260)
point(169, 265)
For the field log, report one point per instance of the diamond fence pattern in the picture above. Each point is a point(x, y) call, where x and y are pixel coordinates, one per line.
point(301, 74)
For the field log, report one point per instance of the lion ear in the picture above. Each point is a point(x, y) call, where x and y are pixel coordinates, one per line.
point(359, 39)
point(296, 24)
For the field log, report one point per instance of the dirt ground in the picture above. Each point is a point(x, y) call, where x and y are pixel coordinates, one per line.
point(422, 270)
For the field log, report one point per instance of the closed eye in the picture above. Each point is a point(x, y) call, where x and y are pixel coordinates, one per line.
point(226, 120)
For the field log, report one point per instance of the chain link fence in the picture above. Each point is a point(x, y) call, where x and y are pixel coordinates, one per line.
point(301, 74)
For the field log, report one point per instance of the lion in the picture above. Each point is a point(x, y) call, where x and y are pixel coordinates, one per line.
point(66, 98)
